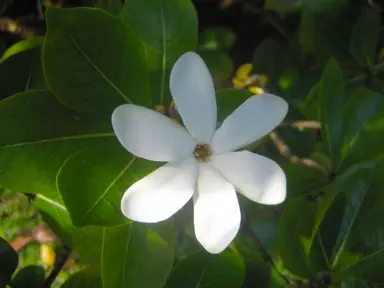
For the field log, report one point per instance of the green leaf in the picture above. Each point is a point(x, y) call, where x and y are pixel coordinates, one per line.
point(30, 276)
point(8, 262)
point(134, 255)
point(86, 278)
point(218, 39)
point(368, 239)
point(363, 127)
point(206, 270)
point(21, 72)
point(168, 29)
point(21, 46)
point(365, 37)
point(101, 63)
point(332, 96)
point(302, 180)
point(342, 206)
point(296, 237)
point(36, 127)
point(112, 6)
point(325, 29)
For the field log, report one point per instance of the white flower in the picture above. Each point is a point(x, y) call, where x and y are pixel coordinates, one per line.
point(201, 162)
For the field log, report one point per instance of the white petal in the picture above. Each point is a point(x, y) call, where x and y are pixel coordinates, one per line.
point(252, 120)
point(194, 94)
point(151, 135)
point(216, 210)
point(256, 177)
point(162, 193)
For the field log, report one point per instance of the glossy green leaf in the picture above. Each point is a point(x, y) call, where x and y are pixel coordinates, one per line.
point(368, 239)
point(363, 128)
point(207, 270)
point(21, 72)
point(41, 128)
point(341, 209)
point(22, 45)
point(332, 97)
point(168, 29)
point(101, 63)
point(133, 255)
point(86, 278)
point(365, 37)
point(30, 276)
point(8, 262)
point(112, 6)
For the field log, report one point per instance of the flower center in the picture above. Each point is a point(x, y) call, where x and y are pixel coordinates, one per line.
point(203, 153)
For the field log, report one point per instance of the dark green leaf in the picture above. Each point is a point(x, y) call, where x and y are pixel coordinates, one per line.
point(299, 248)
point(362, 124)
point(31, 276)
point(332, 96)
point(210, 271)
point(168, 29)
point(302, 180)
point(341, 209)
point(365, 37)
point(133, 255)
point(8, 262)
point(86, 278)
point(21, 72)
point(112, 6)
point(101, 63)
point(325, 29)
point(36, 127)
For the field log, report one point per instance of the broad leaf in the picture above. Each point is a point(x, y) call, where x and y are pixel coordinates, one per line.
point(365, 37)
point(363, 128)
point(133, 255)
point(101, 63)
point(206, 270)
point(41, 128)
point(228, 100)
point(8, 262)
point(168, 29)
point(22, 46)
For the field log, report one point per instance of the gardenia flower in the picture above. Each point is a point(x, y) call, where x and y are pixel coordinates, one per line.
point(201, 160)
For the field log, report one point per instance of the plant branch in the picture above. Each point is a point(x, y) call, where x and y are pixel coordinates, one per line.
point(284, 150)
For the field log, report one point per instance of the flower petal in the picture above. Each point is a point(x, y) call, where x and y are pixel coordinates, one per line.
point(151, 135)
point(216, 210)
point(256, 177)
point(162, 193)
point(194, 94)
point(252, 120)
